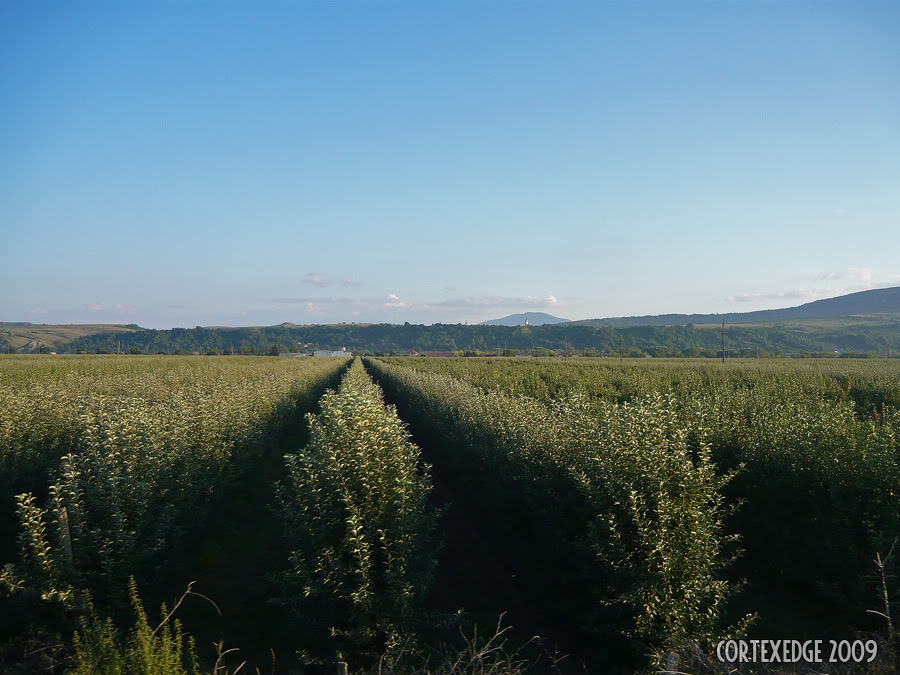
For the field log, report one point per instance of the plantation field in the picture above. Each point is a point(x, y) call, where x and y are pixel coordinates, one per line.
point(368, 512)
point(792, 467)
point(869, 383)
point(109, 463)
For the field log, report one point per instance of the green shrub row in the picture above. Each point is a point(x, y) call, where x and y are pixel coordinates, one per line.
point(818, 490)
point(360, 530)
point(146, 461)
point(814, 445)
point(872, 385)
point(635, 490)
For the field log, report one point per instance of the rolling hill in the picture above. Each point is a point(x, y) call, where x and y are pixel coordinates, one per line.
point(866, 323)
point(534, 319)
point(29, 337)
point(870, 305)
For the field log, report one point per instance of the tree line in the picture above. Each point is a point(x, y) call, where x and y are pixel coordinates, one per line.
point(580, 340)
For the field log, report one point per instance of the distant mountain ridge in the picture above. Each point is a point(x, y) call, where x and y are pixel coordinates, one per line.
point(534, 319)
point(864, 322)
point(875, 301)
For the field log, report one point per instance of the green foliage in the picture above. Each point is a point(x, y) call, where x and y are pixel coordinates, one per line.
point(646, 488)
point(138, 451)
point(361, 533)
point(392, 338)
point(816, 478)
point(43, 559)
point(164, 650)
point(652, 481)
point(871, 385)
point(814, 444)
point(639, 478)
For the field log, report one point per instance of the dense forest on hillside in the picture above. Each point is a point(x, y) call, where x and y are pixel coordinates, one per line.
point(871, 303)
point(596, 340)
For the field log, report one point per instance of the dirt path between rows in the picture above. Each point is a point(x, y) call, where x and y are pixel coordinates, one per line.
point(485, 565)
point(231, 560)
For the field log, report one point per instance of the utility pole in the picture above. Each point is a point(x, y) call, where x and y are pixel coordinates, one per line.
point(621, 347)
point(119, 348)
point(723, 340)
point(232, 350)
point(566, 338)
point(757, 351)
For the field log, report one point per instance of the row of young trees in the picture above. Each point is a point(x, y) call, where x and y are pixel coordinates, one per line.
point(871, 386)
point(122, 459)
point(628, 492)
point(353, 505)
point(807, 452)
point(362, 534)
point(621, 514)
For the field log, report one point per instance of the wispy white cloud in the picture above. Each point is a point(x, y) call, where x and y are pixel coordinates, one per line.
point(394, 303)
point(317, 305)
point(322, 281)
point(854, 279)
point(118, 308)
point(863, 274)
point(794, 294)
point(499, 302)
point(323, 300)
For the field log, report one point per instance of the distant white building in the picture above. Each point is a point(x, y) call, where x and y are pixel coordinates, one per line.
point(325, 352)
point(294, 354)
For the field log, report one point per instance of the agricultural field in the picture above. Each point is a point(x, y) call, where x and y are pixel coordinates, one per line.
point(787, 470)
point(871, 384)
point(32, 337)
point(624, 511)
point(110, 465)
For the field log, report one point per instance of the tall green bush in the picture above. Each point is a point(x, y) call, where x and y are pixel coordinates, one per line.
point(655, 506)
point(358, 523)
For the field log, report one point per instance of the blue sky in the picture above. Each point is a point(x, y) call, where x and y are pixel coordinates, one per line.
point(176, 164)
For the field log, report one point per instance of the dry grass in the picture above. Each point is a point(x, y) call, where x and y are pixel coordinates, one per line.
point(52, 335)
